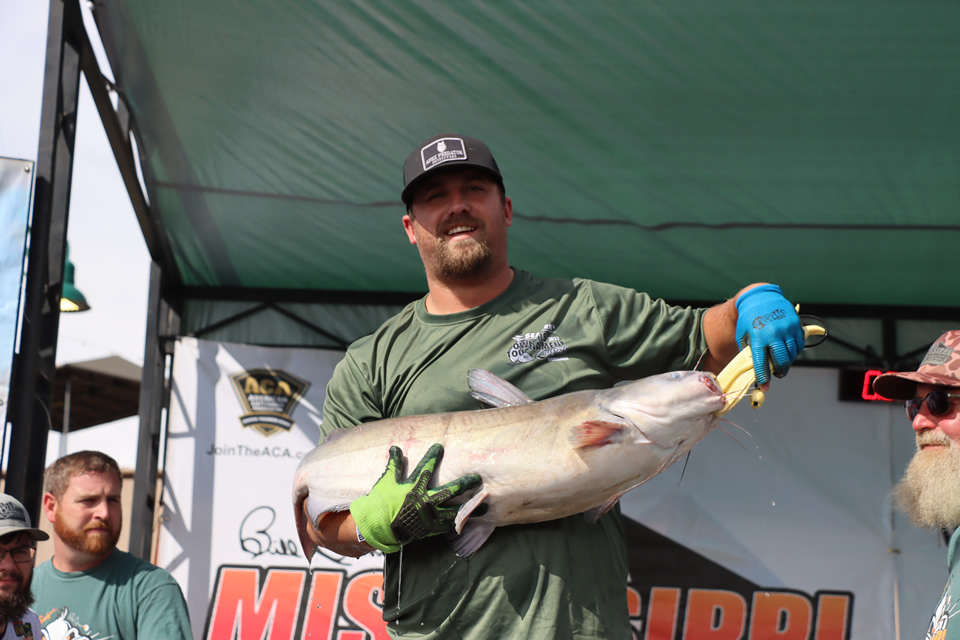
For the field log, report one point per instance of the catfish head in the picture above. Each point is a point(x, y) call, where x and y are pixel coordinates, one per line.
point(669, 408)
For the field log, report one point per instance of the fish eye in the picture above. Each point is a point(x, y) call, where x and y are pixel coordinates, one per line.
point(676, 375)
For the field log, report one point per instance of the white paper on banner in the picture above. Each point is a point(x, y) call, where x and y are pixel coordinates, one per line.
point(241, 418)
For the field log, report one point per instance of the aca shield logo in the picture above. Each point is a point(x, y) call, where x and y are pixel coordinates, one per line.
point(268, 397)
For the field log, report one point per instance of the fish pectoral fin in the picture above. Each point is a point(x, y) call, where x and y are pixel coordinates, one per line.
point(596, 513)
point(306, 544)
point(594, 433)
point(474, 534)
point(468, 507)
point(494, 390)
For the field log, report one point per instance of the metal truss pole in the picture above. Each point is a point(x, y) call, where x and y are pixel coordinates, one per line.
point(34, 366)
point(163, 321)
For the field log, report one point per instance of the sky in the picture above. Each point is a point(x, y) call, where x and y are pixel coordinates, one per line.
point(106, 244)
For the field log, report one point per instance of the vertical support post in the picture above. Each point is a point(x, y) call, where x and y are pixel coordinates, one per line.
point(34, 366)
point(162, 321)
point(65, 428)
point(891, 359)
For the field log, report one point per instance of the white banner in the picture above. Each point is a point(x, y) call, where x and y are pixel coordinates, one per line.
point(786, 533)
point(16, 188)
point(240, 419)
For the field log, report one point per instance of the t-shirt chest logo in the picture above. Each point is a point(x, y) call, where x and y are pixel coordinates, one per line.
point(23, 630)
point(941, 617)
point(538, 345)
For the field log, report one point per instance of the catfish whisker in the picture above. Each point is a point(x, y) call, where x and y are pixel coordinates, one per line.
point(728, 433)
point(686, 459)
point(696, 367)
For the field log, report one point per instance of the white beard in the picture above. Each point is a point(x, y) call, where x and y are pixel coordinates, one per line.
point(929, 492)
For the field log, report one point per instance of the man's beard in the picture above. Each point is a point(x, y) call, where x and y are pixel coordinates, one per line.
point(464, 259)
point(13, 606)
point(929, 492)
point(95, 544)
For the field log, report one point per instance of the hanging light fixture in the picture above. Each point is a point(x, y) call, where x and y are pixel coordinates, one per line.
point(70, 298)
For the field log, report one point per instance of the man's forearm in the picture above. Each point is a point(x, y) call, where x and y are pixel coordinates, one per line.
point(337, 532)
point(720, 331)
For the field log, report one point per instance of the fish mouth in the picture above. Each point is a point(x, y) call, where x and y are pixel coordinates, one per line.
point(710, 382)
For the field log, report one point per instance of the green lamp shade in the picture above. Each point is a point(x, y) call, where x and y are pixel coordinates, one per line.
point(70, 297)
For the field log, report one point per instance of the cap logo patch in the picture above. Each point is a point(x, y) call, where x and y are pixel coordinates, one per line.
point(937, 355)
point(10, 511)
point(443, 150)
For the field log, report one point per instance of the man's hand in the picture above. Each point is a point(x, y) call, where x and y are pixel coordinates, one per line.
point(397, 511)
point(768, 323)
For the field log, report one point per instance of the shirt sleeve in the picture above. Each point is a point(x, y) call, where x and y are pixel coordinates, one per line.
point(646, 336)
point(162, 610)
point(350, 398)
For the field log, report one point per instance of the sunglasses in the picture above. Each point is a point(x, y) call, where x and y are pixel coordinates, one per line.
point(937, 401)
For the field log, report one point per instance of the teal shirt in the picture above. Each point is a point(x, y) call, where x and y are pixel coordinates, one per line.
point(941, 620)
point(122, 598)
point(558, 579)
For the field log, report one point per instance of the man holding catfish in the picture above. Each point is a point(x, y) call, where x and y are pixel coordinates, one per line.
point(563, 578)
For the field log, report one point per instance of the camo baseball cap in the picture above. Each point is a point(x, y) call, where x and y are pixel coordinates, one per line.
point(14, 518)
point(442, 151)
point(941, 366)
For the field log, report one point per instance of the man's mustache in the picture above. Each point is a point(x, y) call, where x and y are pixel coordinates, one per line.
point(98, 524)
point(933, 438)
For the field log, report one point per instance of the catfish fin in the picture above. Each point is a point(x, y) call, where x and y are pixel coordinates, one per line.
point(467, 508)
point(494, 390)
point(475, 533)
point(596, 513)
point(594, 433)
point(306, 544)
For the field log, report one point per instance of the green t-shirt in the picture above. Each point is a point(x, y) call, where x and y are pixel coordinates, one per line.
point(558, 579)
point(122, 598)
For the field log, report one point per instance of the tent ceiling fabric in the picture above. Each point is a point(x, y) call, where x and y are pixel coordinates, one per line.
point(683, 148)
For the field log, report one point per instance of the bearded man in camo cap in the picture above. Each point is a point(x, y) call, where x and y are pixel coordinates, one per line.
point(929, 492)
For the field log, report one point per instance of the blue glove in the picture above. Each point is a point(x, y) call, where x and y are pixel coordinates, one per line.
point(769, 324)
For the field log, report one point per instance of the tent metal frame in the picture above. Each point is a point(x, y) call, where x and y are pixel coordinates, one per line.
point(68, 54)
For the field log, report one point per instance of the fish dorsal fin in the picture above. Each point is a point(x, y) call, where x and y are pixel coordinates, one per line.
point(494, 390)
point(594, 433)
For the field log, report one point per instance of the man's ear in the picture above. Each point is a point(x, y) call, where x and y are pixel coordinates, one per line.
point(49, 506)
point(508, 210)
point(408, 227)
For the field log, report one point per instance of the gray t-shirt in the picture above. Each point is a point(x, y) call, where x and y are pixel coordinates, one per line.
point(26, 628)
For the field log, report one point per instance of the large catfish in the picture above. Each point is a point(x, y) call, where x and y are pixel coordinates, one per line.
point(574, 453)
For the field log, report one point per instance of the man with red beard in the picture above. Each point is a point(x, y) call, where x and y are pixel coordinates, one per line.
point(562, 579)
point(89, 587)
point(929, 492)
point(18, 544)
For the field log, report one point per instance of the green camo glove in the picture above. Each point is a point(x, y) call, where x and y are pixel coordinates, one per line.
point(396, 512)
